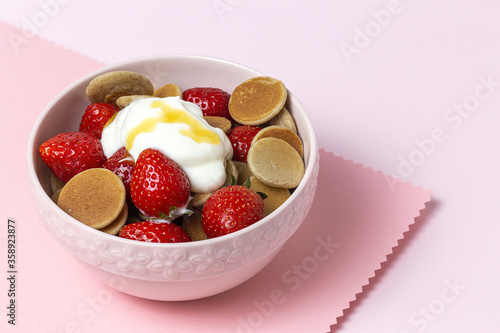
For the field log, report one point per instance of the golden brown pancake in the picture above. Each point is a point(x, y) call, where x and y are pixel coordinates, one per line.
point(284, 119)
point(282, 133)
point(219, 122)
point(123, 101)
point(94, 197)
point(168, 90)
point(257, 100)
point(275, 163)
point(115, 226)
point(108, 87)
point(192, 225)
point(275, 196)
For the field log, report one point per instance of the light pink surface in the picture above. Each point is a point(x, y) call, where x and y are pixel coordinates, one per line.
point(378, 107)
point(357, 218)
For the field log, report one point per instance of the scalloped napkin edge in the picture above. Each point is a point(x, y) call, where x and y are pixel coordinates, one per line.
point(422, 199)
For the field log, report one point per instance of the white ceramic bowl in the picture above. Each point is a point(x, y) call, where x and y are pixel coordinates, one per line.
point(181, 271)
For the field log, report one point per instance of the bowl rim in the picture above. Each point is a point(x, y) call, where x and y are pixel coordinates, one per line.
point(312, 158)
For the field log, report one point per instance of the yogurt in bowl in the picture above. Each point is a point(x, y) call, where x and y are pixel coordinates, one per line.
point(177, 129)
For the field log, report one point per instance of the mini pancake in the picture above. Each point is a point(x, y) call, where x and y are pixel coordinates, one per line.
point(94, 197)
point(115, 226)
point(284, 119)
point(231, 173)
point(108, 87)
point(282, 133)
point(218, 122)
point(168, 90)
point(123, 101)
point(192, 226)
point(55, 195)
point(275, 163)
point(243, 172)
point(199, 199)
point(275, 196)
point(55, 183)
point(257, 100)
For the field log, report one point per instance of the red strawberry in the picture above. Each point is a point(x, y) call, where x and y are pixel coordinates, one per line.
point(212, 101)
point(159, 185)
point(96, 116)
point(67, 154)
point(229, 209)
point(154, 232)
point(241, 138)
point(122, 164)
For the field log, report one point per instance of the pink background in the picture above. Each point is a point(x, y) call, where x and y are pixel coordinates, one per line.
point(410, 88)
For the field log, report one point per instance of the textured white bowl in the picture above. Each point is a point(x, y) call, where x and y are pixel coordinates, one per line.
point(180, 271)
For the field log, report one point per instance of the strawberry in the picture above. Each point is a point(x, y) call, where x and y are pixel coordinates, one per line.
point(241, 138)
point(229, 209)
point(67, 154)
point(154, 232)
point(96, 116)
point(212, 101)
point(122, 164)
point(159, 187)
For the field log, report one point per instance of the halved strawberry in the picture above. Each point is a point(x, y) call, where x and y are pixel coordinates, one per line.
point(96, 116)
point(241, 138)
point(159, 187)
point(230, 209)
point(212, 101)
point(154, 232)
point(67, 154)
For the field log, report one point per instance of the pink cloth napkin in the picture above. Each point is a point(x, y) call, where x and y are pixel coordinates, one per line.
point(358, 216)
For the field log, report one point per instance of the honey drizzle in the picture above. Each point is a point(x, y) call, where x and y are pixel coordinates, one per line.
point(169, 115)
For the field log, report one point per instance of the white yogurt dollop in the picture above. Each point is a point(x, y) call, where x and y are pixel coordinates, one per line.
point(177, 129)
